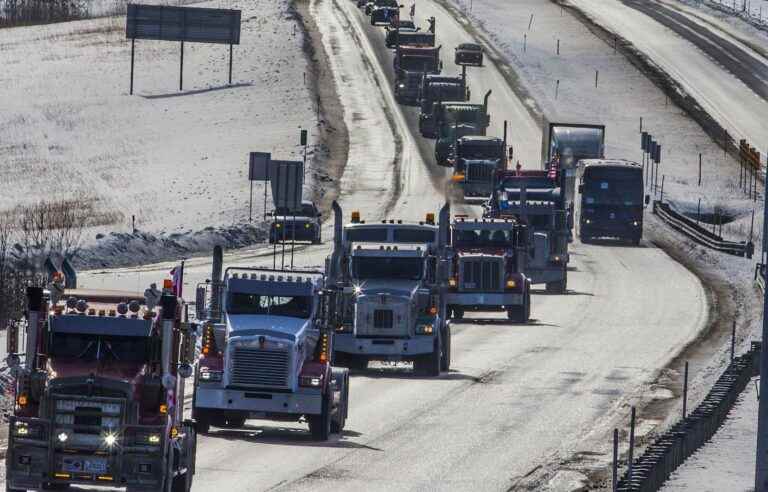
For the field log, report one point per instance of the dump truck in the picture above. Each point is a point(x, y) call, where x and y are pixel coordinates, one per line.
point(393, 280)
point(412, 63)
point(535, 199)
point(487, 260)
point(266, 348)
point(454, 120)
point(476, 161)
point(99, 390)
point(435, 89)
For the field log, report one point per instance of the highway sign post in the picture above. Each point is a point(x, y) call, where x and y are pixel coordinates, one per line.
point(258, 170)
point(191, 24)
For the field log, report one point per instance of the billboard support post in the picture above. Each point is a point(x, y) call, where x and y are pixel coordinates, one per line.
point(181, 68)
point(250, 204)
point(230, 64)
point(133, 51)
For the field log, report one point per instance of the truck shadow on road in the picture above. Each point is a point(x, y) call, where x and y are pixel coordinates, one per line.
point(288, 436)
point(405, 372)
point(569, 292)
point(498, 322)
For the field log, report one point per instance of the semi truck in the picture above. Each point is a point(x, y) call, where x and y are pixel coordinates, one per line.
point(565, 144)
point(535, 199)
point(99, 390)
point(611, 200)
point(436, 89)
point(487, 260)
point(454, 120)
point(393, 281)
point(266, 351)
point(476, 161)
point(412, 63)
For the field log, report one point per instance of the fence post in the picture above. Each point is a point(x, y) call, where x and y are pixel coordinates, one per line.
point(615, 480)
point(631, 445)
point(685, 391)
point(699, 168)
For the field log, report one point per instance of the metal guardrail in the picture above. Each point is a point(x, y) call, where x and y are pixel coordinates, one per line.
point(699, 234)
point(672, 448)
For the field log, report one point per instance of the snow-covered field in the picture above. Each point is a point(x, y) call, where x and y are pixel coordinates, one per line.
point(727, 462)
point(176, 160)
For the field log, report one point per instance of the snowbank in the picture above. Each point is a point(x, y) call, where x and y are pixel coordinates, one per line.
point(176, 160)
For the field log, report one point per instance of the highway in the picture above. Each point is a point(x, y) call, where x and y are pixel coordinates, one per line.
point(519, 398)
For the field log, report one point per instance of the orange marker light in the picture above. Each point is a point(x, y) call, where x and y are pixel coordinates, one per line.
point(167, 284)
point(22, 400)
point(163, 408)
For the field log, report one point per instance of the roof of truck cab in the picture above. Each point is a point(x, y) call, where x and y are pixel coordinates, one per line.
point(469, 46)
point(103, 296)
point(479, 139)
point(610, 163)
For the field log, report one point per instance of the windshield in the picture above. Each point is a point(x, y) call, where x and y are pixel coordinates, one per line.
point(369, 268)
point(291, 306)
point(467, 238)
point(418, 64)
point(480, 151)
point(617, 187)
point(99, 347)
point(307, 210)
point(463, 116)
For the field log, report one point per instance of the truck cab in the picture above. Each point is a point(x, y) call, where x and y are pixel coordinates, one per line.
point(99, 396)
point(487, 258)
point(266, 353)
point(454, 120)
point(535, 199)
point(437, 88)
point(475, 163)
point(412, 63)
point(393, 307)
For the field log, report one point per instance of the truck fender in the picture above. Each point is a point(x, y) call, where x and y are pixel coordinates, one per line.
point(340, 388)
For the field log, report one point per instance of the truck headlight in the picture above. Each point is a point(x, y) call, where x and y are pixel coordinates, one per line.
point(588, 221)
point(153, 439)
point(27, 431)
point(424, 329)
point(208, 376)
point(402, 86)
point(62, 437)
point(110, 439)
point(511, 284)
point(310, 381)
point(307, 226)
point(452, 282)
point(635, 223)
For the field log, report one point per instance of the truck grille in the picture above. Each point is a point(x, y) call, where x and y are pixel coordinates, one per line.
point(481, 275)
point(479, 172)
point(257, 367)
point(382, 318)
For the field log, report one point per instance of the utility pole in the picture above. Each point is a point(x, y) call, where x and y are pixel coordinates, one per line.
point(761, 472)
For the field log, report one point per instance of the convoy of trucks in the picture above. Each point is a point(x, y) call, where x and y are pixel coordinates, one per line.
point(99, 387)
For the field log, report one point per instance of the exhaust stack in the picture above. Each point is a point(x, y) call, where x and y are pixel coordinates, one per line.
point(70, 274)
point(216, 283)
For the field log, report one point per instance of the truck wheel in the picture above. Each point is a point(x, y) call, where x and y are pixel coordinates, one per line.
point(429, 365)
point(202, 420)
point(558, 287)
point(182, 483)
point(235, 422)
point(320, 425)
point(457, 313)
point(340, 417)
point(445, 360)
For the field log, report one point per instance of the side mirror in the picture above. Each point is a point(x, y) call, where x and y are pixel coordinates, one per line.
point(647, 199)
point(581, 190)
point(185, 371)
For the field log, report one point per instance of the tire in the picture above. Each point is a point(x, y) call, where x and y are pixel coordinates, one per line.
point(457, 313)
point(559, 287)
point(320, 425)
point(445, 359)
point(202, 420)
point(429, 365)
point(585, 239)
point(236, 422)
point(340, 421)
point(521, 314)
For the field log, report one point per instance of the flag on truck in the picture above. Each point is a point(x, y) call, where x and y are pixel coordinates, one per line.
point(177, 276)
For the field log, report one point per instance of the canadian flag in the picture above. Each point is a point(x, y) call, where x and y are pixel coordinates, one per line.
point(177, 276)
